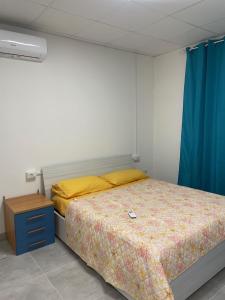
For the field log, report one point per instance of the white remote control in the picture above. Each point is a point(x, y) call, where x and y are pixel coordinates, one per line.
point(132, 214)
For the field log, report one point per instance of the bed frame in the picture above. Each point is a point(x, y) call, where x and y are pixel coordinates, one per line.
point(185, 284)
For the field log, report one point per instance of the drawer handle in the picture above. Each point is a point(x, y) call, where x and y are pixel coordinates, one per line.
point(37, 243)
point(36, 230)
point(36, 217)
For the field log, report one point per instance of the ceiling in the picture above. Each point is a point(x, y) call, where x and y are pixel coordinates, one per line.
point(150, 27)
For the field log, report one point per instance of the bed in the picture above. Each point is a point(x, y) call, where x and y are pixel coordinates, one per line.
point(187, 265)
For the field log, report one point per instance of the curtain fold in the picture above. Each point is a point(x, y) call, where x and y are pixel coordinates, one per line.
point(202, 153)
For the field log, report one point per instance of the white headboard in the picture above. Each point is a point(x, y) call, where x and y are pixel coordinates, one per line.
point(53, 174)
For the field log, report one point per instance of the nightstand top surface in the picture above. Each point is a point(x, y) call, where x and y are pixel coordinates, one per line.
point(27, 203)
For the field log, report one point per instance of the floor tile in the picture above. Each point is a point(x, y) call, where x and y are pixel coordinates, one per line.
point(5, 249)
point(220, 295)
point(55, 272)
point(77, 279)
point(220, 278)
point(53, 256)
point(207, 291)
point(109, 293)
point(38, 288)
point(14, 269)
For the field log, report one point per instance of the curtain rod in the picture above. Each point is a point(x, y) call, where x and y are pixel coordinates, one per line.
point(206, 45)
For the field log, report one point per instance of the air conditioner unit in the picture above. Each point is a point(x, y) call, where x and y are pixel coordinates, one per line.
point(22, 46)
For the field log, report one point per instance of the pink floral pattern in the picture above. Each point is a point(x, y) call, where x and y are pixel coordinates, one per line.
point(174, 227)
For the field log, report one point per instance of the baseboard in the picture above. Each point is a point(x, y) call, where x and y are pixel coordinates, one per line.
point(2, 236)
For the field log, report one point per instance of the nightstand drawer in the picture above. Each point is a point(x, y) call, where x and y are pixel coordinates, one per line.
point(25, 243)
point(34, 219)
point(34, 229)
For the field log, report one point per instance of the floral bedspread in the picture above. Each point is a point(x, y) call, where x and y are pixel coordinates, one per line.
point(174, 227)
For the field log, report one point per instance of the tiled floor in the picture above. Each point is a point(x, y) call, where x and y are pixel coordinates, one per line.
point(55, 272)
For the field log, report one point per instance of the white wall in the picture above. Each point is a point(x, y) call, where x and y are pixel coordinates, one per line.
point(169, 72)
point(145, 112)
point(80, 103)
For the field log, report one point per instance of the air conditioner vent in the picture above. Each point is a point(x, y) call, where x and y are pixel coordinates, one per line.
point(22, 46)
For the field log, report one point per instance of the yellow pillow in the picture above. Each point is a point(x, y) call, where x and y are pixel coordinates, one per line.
point(80, 186)
point(124, 176)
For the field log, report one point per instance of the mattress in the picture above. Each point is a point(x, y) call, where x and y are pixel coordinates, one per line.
point(175, 226)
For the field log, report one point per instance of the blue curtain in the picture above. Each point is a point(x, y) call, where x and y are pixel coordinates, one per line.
point(202, 154)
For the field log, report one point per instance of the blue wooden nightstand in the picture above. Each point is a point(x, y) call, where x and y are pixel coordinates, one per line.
point(29, 222)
